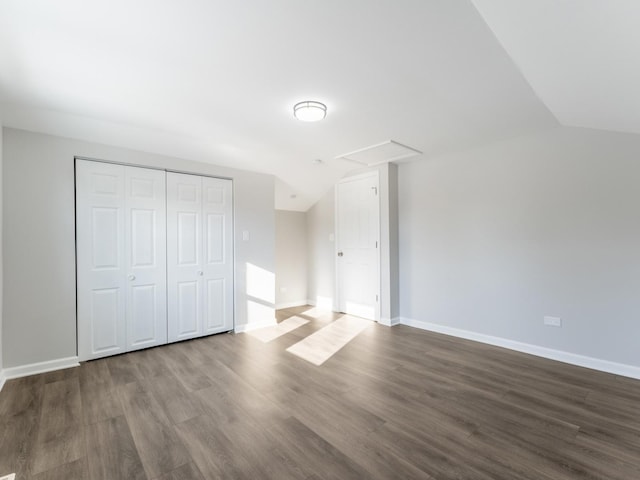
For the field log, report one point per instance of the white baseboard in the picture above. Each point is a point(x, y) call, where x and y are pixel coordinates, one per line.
point(299, 303)
point(247, 327)
point(2, 379)
point(324, 305)
point(389, 322)
point(558, 355)
point(40, 367)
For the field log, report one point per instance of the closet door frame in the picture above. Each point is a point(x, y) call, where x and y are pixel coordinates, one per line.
point(100, 277)
point(184, 257)
point(200, 267)
point(81, 348)
point(217, 259)
point(146, 248)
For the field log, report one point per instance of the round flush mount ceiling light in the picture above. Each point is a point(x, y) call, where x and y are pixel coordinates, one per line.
point(309, 111)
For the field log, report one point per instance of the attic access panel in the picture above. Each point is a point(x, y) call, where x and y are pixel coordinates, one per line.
point(384, 152)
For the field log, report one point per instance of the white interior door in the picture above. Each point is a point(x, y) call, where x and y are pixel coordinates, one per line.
point(184, 256)
point(357, 240)
point(217, 212)
point(145, 248)
point(199, 255)
point(101, 259)
point(121, 252)
point(154, 257)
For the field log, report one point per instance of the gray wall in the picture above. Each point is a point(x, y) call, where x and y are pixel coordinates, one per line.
point(389, 300)
point(320, 252)
point(394, 267)
point(1, 258)
point(39, 245)
point(493, 239)
point(291, 258)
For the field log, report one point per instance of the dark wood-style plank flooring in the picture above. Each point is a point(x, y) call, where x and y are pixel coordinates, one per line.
point(395, 403)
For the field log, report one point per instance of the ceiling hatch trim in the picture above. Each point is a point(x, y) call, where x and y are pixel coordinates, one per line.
point(380, 153)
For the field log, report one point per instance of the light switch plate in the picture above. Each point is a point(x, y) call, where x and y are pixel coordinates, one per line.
point(553, 321)
point(245, 238)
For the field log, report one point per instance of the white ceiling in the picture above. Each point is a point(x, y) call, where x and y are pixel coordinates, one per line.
point(215, 81)
point(582, 57)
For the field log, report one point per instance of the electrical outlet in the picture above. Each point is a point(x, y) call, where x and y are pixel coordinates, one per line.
point(553, 321)
point(245, 238)
point(11, 476)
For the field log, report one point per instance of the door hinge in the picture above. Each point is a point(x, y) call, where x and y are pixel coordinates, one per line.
point(375, 190)
point(376, 244)
point(376, 298)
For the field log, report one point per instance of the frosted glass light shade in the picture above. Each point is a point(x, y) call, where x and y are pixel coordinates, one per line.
point(309, 111)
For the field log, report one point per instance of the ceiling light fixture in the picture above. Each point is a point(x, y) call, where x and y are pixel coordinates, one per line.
point(309, 111)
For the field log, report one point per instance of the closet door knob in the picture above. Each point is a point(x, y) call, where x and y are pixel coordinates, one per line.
point(200, 273)
point(131, 277)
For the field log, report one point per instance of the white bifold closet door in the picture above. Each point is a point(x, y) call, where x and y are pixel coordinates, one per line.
point(121, 258)
point(199, 256)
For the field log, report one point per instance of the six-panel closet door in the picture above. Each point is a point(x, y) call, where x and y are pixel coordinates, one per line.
point(121, 258)
point(199, 256)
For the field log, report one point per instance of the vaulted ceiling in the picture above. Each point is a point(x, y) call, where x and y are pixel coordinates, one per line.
point(581, 57)
point(215, 81)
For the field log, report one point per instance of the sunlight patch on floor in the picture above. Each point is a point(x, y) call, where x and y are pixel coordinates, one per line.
point(268, 334)
point(316, 312)
point(318, 347)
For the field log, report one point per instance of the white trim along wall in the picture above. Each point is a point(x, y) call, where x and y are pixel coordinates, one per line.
point(559, 355)
point(40, 367)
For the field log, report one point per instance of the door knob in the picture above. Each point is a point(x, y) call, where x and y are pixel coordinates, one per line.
point(200, 273)
point(340, 254)
point(131, 277)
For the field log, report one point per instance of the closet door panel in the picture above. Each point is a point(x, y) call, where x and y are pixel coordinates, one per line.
point(142, 311)
point(217, 207)
point(188, 309)
point(214, 237)
point(104, 322)
point(184, 256)
point(216, 306)
point(105, 229)
point(101, 259)
point(187, 237)
point(145, 246)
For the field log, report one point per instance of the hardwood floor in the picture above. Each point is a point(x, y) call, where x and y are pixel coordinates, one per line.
point(393, 403)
